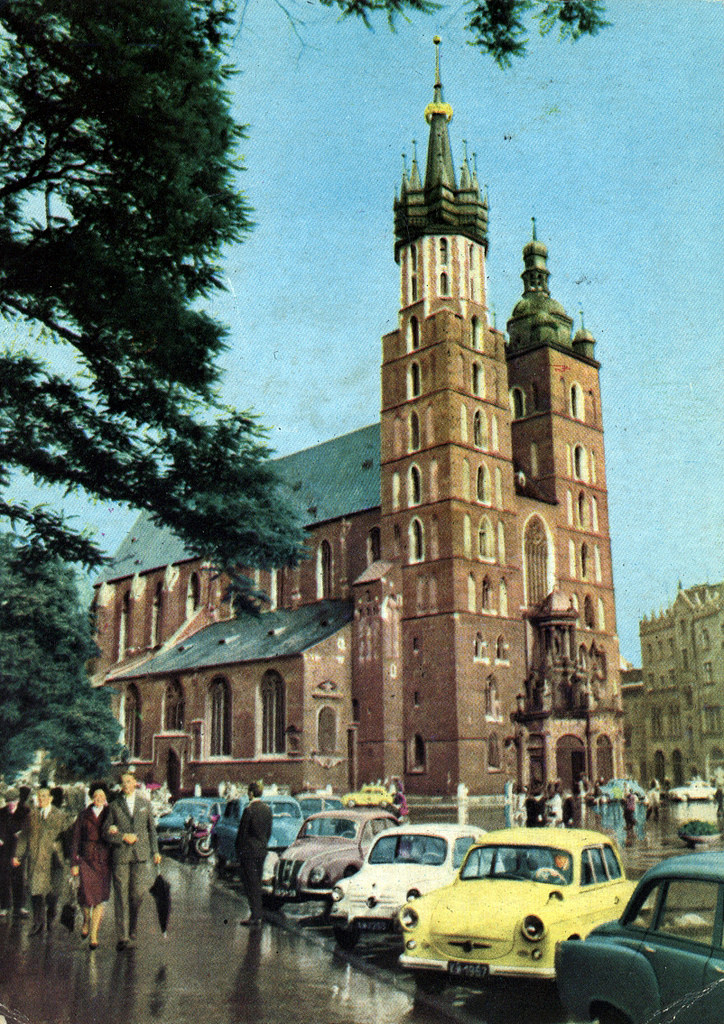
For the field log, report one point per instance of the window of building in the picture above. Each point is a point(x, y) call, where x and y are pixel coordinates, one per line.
point(156, 611)
point(443, 251)
point(173, 707)
point(413, 272)
point(579, 462)
point(491, 697)
point(124, 625)
point(493, 752)
point(712, 720)
point(273, 714)
point(685, 658)
point(503, 598)
point(517, 403)
point(479, 650)
point(478, 381)
point(485, 538)
point(467, 537)
point(657, 723)
point(444, 284)
point(572, 559)
point(414, 333)
point(471, 593)
point(132, 721)
point(414, 431)
point(327, 731)
point(475, 332)
point(487, 595)
point(584, 561)
point(374, 545)
point(415, 486)
point(418, 754)
point(417, 541)
point(500, 649)
point(324, 570)
point(534, 459)
point(414, 385)
point(480, 429)
point(536, 562)
point(482, 487)
point(588, 612)
point(594, 515)
point(193, 595)
point(220, 714)
point(674, 723)
point(576, 402)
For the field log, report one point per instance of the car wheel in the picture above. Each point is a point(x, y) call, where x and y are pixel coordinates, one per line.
point(347, 938)
point(610, 1015)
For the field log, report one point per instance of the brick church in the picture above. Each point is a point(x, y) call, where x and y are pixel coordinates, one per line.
point(454, 620)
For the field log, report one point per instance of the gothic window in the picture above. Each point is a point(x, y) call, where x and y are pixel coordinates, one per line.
point(193, 595)
point(582, 511)
point(414, 333)
point(493, 752)
point(395, 490)
point(536, 562)
point(417, 541)
point(173, 707)
point(487, 592)
point(517, 403)
point(124, 625)
point(705, 640)
point(156, 609)
point(467, 537)
point(576, 407)
point(594, 515)
point(273, 714)
point(324, 570)
point(471, 593)
point(584, 561)
point(443, 284)
point(475, 332)
point(418, 754)
point(480, 429)
point(327, 731)
point(414, 431)
point(491, 697)
point(579, 462)
point(503, 598)
point(588, 612)
point(500, 649)
point(479, 650)
point(485, 538)
point(501, 543)
point(572, 559)
point(414, 380)
point(220, 708)
point(413, 273)
point(443, 251)
point(478, 380)
point(582, 657)
point(601, 614)
point(415, 495)
point(374, 545)
point(494, 432)
point(132, 721)
point(483, 485)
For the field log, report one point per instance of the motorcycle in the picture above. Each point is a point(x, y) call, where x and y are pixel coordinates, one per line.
point(196, 839)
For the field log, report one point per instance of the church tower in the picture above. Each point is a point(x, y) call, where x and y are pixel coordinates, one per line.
point(447, 481)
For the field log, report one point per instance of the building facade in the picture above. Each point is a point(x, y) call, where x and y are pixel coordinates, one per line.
point(674, 715)
point(455, 619)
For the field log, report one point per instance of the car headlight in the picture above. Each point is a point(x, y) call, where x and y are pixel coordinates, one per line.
point(413, 894)
point(532, 928)
point(337, 894)
point(316, 875)
point(409, 918)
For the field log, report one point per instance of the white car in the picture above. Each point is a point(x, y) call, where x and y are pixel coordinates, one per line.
point(697, 789)
point(403, 863)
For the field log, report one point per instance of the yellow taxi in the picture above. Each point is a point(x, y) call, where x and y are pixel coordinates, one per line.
point(518, 892)
point(369, 796)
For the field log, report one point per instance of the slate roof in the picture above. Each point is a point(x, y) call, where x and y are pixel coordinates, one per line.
point(280, 633)
point(332, 479)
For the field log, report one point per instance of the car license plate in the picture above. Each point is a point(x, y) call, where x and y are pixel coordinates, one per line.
point(280, 890)
point(369, 924)
point(459, 970)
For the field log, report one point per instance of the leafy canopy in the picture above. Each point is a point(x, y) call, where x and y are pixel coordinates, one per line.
point(46, 699)
point(117, 198)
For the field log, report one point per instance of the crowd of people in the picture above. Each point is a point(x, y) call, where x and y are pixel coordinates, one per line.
point(47, 849)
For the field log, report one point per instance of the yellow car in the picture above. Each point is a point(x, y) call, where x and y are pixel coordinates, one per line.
point(369, 796)
point(518, 892)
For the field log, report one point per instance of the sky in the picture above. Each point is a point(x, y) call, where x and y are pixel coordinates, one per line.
point(614, 144)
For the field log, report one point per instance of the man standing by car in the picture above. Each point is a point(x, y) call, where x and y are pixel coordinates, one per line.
point(252, 840)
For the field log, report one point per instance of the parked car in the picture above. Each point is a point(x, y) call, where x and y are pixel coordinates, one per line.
point(287, 818)
point(170, 826)
point(313, 803)
point(330, 845)
point(696, 789)
point(663, 961)
point(403, 864)
point(518, 893)
point(369, 796)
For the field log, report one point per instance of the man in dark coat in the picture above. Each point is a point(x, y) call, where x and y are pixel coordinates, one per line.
point(41, 840)
point(252, 840)
point(131, 831)
point(8, 841)
point(19, 871)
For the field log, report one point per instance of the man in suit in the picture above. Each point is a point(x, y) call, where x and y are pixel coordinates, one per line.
point(131, 831)
point(41, 840)
point(252, 840)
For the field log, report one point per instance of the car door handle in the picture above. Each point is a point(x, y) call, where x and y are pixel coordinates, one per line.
point(616, 899)
point(649, 949)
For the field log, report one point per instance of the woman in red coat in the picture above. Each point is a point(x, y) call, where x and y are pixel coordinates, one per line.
point(91, 862)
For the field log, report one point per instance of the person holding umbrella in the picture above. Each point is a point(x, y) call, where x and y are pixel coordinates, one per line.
point(91, 862)
point(131, 831)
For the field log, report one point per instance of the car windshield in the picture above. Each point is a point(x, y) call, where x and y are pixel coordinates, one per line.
point(430, 850)
point(190, 808)
point(529, 863)
point(340, 828)
point(284, 809)
point(310, 804)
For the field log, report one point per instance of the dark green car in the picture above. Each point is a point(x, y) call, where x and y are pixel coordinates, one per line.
point(663, 961)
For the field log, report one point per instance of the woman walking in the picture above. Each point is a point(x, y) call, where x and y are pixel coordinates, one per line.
point(91, 862)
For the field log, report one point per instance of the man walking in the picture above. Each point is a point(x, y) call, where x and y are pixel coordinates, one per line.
point(130, 830)
point(40, 838)
point(251, 845)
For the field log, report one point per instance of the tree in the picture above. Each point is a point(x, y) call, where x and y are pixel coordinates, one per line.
point(118, 195)
point(46, 699)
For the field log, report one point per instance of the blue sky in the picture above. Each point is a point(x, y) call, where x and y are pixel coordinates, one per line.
point(615, 144)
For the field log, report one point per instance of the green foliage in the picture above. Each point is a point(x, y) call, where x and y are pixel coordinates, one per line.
point(46, 699)
point(118, 194)
point(698, 828)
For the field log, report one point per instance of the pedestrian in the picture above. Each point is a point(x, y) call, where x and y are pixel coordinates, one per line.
point(130, 830)
point(519, 806)
point(534, 806)
point(719, 801)
point(554, 805)
point(41, 840)
point(568, 811)
point(8, 842)
point(653, 800)
point(399, 801)
point(19, 871)
point(91, 860)
point(251, 844)
point(629, 814)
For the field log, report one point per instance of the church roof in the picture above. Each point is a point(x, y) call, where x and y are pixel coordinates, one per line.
point(333, 479)
point(276, 634)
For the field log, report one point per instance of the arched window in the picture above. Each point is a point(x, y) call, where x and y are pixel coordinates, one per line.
point(588, 612)
point(491, 697)
point(584, 561)
point(471, 593)
point(485, 538)
point(418, 753)
point(414, 333)
point(482, 488)
point(443, 283)
point(572, 559)
point(374, 545)
point(500, 648)
point(417, 541)
point(479, 650)
point(536, 562)
point(475, 332)
point(480, 429)
point(517, 403)
point(478, 380)
point(415, 493)
point(220, 714)
point(413, 272)
point(592, 465)
point(193, 595)
point(579, 462)
point(487, 596)
point(395, 490)
point(156, 611)
point(594, 515)
point(503, 599)
point(597, 563)
point(414, 380)
point(414, 431)
point(582, 510)
point(601, 614)
point(124, 625)
point(324, 570)
point(132, 721)
point(501, 543)
point(273, 714)
point(443, 251)
point(327, 731)
point(493, 752)
point(173, 707)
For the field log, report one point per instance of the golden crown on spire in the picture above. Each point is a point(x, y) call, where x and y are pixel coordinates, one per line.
point(437, 106)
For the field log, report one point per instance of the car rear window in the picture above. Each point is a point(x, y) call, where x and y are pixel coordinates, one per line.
point(342, 828)
point(429, 850)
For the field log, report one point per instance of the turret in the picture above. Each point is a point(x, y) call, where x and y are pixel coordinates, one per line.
point(538, 318)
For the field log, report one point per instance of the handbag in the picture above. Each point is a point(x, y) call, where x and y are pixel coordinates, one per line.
point(67, 912)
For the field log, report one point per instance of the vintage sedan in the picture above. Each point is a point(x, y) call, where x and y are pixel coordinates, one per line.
point(287, 819)
point(170, 826)
point(663, 961)
point(517, 894)
point(403, 864)
point(696, 789)
point(369, 795)
point(331, 845)
point(313, 803)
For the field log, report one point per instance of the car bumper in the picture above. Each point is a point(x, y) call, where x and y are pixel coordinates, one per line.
point(421, 963)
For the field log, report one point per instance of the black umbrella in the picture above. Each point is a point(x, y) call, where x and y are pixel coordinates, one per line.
point(161, 892)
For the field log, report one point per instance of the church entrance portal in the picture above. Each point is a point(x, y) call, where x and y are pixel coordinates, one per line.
point(570, 761)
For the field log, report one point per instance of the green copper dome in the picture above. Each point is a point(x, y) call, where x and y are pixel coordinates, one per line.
point(537, 318)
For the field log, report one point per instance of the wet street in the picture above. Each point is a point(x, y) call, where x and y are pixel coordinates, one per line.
point(210, 968)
